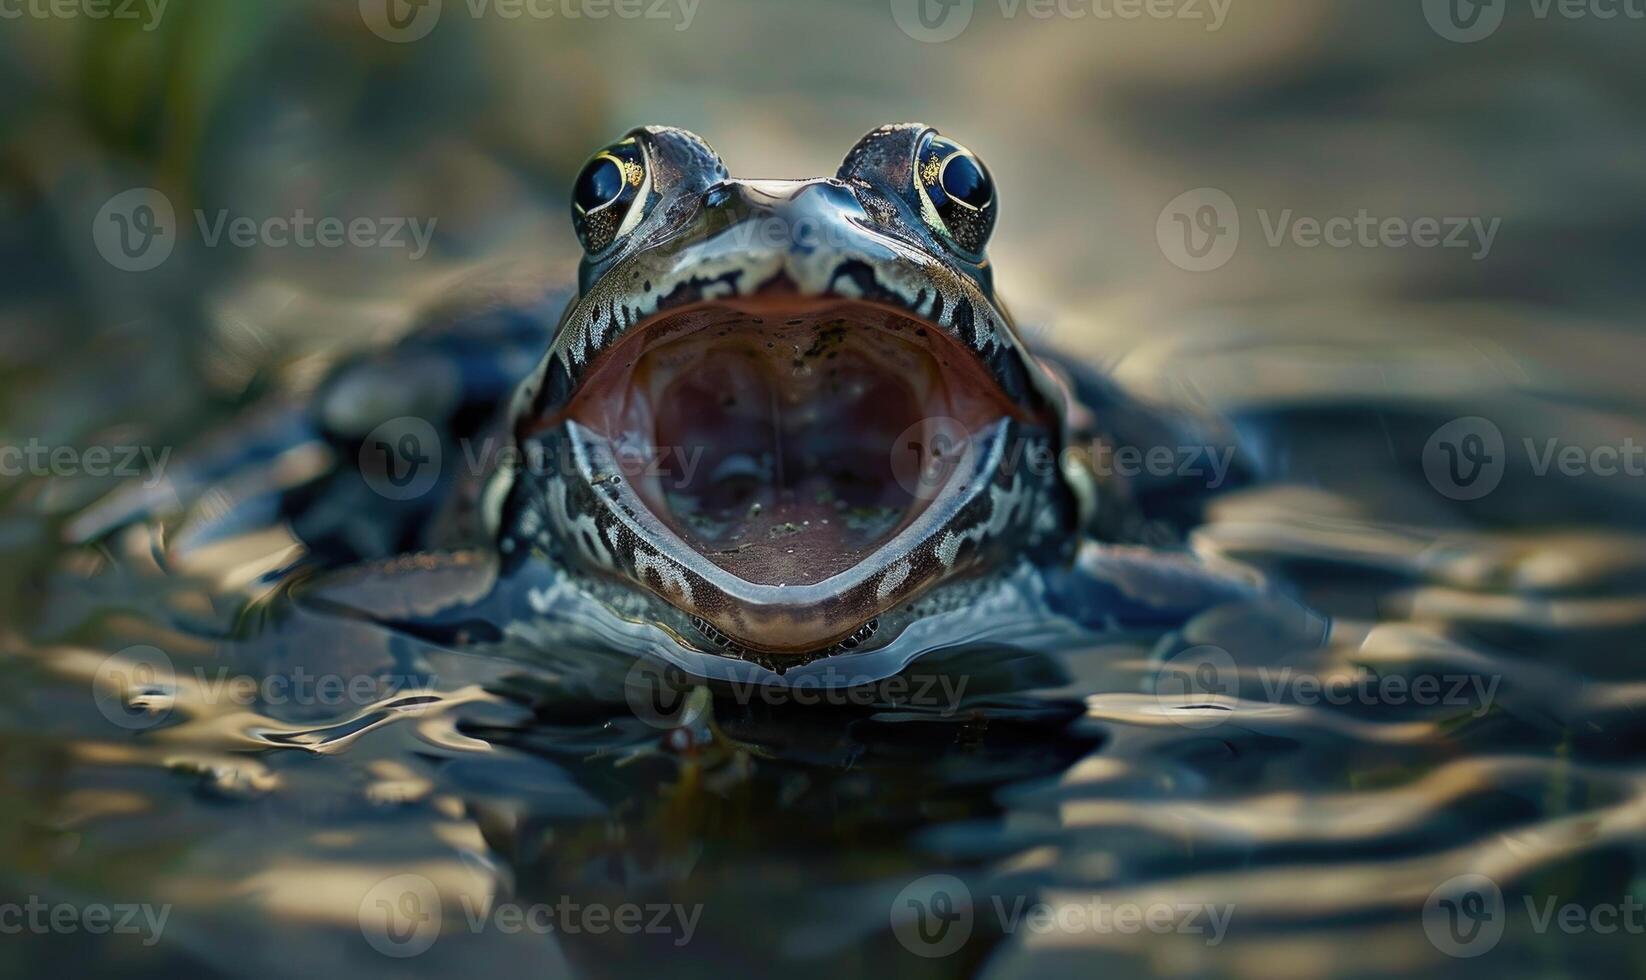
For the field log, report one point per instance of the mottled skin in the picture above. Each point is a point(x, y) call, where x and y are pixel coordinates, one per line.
point(705, 237)
point(560, 543)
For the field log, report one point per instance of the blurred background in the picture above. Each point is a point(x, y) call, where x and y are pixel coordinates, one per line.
point(1092, 122)
point(1117, 133)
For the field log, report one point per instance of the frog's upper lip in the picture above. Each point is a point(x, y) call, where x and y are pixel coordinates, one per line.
point(867, 266)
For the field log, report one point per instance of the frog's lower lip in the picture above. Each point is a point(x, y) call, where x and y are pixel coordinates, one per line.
point(784, 438)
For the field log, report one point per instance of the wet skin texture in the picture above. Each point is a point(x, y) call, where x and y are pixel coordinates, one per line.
point(795, 267)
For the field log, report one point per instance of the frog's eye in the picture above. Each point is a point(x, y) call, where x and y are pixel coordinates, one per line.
point(957, 197)
point(608, 194)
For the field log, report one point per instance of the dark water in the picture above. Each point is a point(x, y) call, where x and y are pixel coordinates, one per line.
point(1437, 688)
point(1421, 753)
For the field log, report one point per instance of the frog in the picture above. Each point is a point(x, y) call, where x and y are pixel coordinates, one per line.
point(773, 424)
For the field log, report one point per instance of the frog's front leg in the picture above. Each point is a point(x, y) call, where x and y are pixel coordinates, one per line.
point(416, 430)
point(1117, 587)
point(1153, 467)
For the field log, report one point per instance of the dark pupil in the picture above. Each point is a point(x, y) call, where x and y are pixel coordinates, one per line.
point(963, 181)
point(599, 183)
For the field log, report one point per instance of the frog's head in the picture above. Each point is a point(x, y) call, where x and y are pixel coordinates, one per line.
point(789, 409)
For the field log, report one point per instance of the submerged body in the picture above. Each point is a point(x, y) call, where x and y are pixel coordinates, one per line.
point(776, 422)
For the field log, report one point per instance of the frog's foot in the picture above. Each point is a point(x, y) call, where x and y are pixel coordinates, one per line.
point(387, 457)
point(451, 598)
point(231, 483)
point(1154, 467)
point(1113, 587)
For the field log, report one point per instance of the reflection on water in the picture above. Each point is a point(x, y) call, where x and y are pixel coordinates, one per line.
point(1286, 786)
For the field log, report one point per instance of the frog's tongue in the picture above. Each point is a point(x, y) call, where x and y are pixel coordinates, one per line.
point(786, 450)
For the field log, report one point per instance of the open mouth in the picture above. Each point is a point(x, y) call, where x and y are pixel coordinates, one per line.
point(786, 439)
